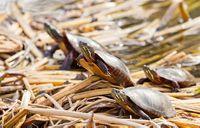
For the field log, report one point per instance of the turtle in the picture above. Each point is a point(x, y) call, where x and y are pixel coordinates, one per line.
point(104, 65)
point(144, 102)
point(69, 44)
point(173, 77)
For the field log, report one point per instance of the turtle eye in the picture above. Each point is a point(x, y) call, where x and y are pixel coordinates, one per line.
point(87, 51)
point(118, 95)
point(84, 48)
point(150, 72)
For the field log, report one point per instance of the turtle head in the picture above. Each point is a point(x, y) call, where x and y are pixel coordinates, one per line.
point(150, 73)
point(53, 32)
point(122, 99)
point(87, 51)
point(118, 95)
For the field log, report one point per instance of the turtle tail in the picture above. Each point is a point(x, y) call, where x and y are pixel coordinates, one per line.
point(53, 32)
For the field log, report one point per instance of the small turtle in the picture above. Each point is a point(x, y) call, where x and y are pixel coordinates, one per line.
point(173, 76)
point(69, 44)
point(105, 65)
point(144, 102)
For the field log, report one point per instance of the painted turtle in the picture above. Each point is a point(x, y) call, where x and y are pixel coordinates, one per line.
point(144, 102)
point(69, 44)
point(173, 76)
point(105, 65)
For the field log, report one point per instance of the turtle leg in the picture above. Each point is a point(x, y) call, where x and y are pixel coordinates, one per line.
point(66, 65)
point(175, 87)
point(134, 107)
point(138, 111)
point(143, 114)
point(78, 59)
point(143, 80)
point(103, 67)
point(49, 53)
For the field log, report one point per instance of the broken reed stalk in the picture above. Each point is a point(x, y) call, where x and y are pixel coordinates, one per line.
point(20, 117)
point(31, 45)
point(17, 14)
point(119, 7)
point(91, 93)
point(186, 107)
point(17, 39)
point(6, 114)
point(108, 119)
point(37, 65)
point(164, 59)
point(55, 103)
point(25, 101)
point(75, 22)
point(8, 89)
point(185, 123)
point(52, 72)
point(184, 26)
point(187, 101)
point(16, 118)
point(183, 7)
point(28, 87)
point(85, 108)
point(72, 89)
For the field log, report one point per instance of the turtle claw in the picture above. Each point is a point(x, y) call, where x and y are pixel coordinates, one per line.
point(67, 64)
point(176, 90)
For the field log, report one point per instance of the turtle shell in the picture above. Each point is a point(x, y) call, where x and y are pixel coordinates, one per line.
point(181, 76)
point(113, 61)
point(117, 68)
point(153, 102)
point(118, 72)
point(74, 40)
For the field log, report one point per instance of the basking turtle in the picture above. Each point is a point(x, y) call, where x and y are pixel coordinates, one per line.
point(144, 102)
point(105, 65)
point(69, 44)
point(173, 76)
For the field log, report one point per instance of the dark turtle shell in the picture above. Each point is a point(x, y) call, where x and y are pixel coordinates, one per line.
point(116, 67)
point(152, 103)
point(113, 61)
point(181, 76)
